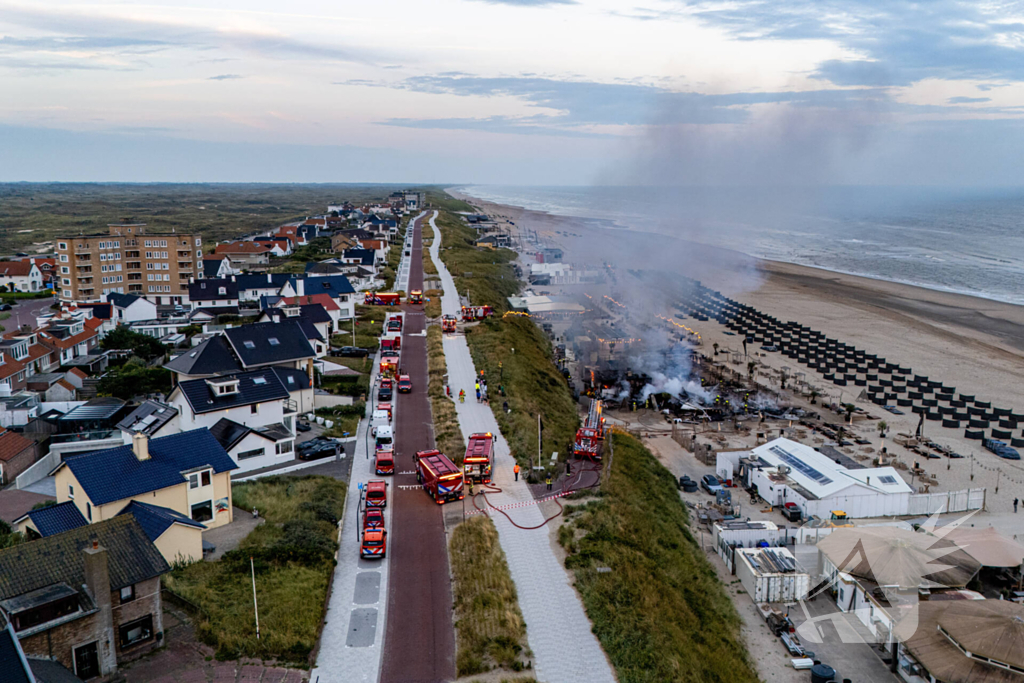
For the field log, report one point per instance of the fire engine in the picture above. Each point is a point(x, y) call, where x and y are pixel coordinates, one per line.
point(376, 493)
point(389, 342)
point(471, 313)
point(416, 296)
point(477, 463)
point(590, 436)
point(394, 324)
point(439, 476)
point(388, 366)
point(382, 299)
point(404, 384)
point(448, 323)
point(384, 462)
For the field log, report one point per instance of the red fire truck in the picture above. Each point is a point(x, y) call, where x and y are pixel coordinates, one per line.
point(448, 323)
point(471, 313)
point(376, 493)
point(439, 476)
point(374, 545)
point(590, 437)
point(477, 463)
point(388, 366)
point(416, 296)
point(382, 299)
point(394, 324)
point(384, 462)
point(391, 342)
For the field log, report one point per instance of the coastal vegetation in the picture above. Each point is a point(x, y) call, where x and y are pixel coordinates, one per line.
point(447, 432)
point(293, 557)
point(656, 604)
point(439, 199)
point(490, 629)
point(513, 352)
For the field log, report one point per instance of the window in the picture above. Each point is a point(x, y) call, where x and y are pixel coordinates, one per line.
point(71, 491)
point(260, 380)
point(62, 246)
point(255, 453)
point(254, 408)
point(199, 242)
point(284, 447)
point(135, 632)
point(204, 477)
point(249, 345)
point(193, 480)
point(274, 342)
point(88, 511)
point(64, 258)
point(202, 512)
point(127, 593)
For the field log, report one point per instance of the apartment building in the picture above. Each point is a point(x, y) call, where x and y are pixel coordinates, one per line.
point(128, 260)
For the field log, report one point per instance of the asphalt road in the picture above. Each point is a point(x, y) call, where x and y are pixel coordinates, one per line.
point(419, 643)
point(25, 312)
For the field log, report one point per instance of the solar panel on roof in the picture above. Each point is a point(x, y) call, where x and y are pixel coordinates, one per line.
point(800, 466)
point(887, 479)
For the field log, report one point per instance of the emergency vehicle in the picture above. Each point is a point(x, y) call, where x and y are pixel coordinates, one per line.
point(477, 463)
point(394, 323)
point(374, 545)
point(416, 296)
point(373, 518)
point(387, 408)
point(376, 493)
point(381, 299)
point(439, 476)
point(391, 343)
point(471, 313)
point(590, 437)
point(388, 367)
point(404, 384)
point(448, 323)
point(384, 462)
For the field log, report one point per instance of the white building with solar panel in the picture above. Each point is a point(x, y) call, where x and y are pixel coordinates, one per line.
point(785, 471)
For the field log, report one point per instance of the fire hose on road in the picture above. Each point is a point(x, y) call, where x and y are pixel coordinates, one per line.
point(566, 490)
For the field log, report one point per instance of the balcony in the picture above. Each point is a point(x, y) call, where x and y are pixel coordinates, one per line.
point(86, 441)
point(290, 407)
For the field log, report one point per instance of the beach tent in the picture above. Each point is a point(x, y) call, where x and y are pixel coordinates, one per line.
point(987, 546)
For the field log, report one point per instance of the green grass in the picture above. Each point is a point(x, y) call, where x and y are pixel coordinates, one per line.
point(359, 364)
point(346, 418)
point(484, 275)
point(661, 612)
point(293, 554)
point(490, 628)
point(432, 308)
point(215, 211)
point(369, 326)
point(447, 432)
point(439, 199)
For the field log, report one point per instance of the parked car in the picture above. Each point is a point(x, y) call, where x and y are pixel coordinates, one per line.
point(314, 449)
point(5, 307)
point(353, 352)
point(710, 483)
point(404, 384)
point(384, 394)
point(302, 426)
point(1001, 449)
point(373, 518)
point(376, 493)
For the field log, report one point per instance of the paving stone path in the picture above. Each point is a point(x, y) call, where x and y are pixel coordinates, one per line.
point(559, 632)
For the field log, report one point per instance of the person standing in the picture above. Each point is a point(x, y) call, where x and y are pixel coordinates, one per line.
point(1015, 501)
point(568, 467)
point(548, 482)
point(515, 471)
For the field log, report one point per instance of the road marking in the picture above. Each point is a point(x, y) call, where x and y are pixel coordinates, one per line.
point(521, 504)
point(408, 487)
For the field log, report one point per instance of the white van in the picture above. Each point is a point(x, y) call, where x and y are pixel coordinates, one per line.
point(380, 419)
point(385, 439)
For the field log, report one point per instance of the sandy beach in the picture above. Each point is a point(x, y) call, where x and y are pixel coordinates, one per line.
point(974, 344)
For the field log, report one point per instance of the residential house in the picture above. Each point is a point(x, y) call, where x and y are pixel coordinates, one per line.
point(213, 294)
point(359, 256)
point(101, 315)
point(17, 410)
point(47, 266)
point(187, 472)
point(88, 598)
point(314, 324)
point(50, 520)
point(218, 266)
point(337, 286)
point(176, 536)
point(324, 300)
point(211, 357)
point(16, 454)
point(314, 269)
point(245, 254)
point(71, 339)
point(152, 418)
point(341, 241)
point(21, 276)
point(378, 247)
point(257, 399)
point(252, 287)
point(52, 386)
point(264, 344)
point(129, 308)
point(279, 246)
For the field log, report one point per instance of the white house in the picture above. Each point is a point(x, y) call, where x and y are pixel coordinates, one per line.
point(129, 308)
point(251, 449)
point(21, 276)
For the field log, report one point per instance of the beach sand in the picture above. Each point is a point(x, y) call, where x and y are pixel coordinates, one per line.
point(973, 344)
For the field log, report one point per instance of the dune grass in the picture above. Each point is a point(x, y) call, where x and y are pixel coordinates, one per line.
point(432, 308)
point(437, 198)
point(661, 612)
point(293, 554)
point(490, 628)
point(447, 433)
point(484, 275)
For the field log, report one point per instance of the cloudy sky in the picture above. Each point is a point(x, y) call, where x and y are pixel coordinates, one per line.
point(513, 91)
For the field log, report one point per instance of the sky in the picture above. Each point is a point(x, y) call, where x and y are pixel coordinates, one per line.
point(530, 92)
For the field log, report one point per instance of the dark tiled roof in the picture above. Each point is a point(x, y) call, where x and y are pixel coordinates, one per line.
point(211, 267)
point(228, 432)
point(335, 285)
point(122, 300)
point(148, 418)
point(155, 519)
point(255, 344)
point(315, 313)
point(211, 357)
point(12, 664)
point(49, 671)
point(292, 379)
point(116, 474)
point(277, 315)
point(209, 290)
point(214, 311)
point(365, 256)
point(322, 268)
point(101, 311)
point(56, 519)
point(258, 386)
point(277, 281)
point(131, 558)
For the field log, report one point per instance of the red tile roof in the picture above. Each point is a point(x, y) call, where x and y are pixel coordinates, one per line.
point(15, 268)
point(66, 384)
point(242, 248)
point(78, 372)
point(70, 341)
point(93, 323)
point(10, 368)
point(324, 300)
point(11, 444)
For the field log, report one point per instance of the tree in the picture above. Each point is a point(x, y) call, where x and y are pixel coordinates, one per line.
point(715, 346)
point(849, 408)
point(814, 396)
point(134, 379)
point(141, 345)
point(882, 426)
point(750, 368)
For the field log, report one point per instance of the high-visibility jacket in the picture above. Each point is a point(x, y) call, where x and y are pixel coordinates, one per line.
point(516, 469)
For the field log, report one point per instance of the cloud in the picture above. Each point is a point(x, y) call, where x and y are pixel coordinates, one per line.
point(529, 3)
point(534, 125)
point(968, 100)
point(225, 77)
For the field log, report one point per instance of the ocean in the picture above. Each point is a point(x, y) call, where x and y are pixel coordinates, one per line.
point(968, 242)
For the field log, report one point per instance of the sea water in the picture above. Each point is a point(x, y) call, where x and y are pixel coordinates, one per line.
point(964, 241)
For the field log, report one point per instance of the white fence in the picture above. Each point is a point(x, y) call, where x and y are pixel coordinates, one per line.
point(947, 501)
point(38, 470)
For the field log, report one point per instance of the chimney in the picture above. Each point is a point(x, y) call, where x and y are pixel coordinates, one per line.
point(269, 279)
point(140, 445)
point(97, 582)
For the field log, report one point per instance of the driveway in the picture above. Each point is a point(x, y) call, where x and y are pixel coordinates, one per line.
point(25, 312)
